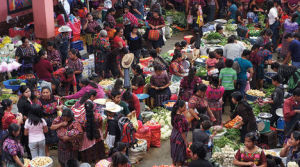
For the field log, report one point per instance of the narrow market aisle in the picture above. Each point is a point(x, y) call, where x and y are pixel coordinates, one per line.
point(162, 155)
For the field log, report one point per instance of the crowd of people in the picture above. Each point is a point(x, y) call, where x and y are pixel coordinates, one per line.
point(80, 133)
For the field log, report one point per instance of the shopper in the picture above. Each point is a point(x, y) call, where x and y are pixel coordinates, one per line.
point(178, 138)
point(198, 155)
point(68, 131)
point(12, 149)
point(7, 117)
point(228, 79)
point(157, 22)
point(35, 127)
point(52, 106)
point(188, 83)
point(176, 69)
point(214, 94)
point(53, 56)
point(293, 51)
point(42, 67)
point(232, 49)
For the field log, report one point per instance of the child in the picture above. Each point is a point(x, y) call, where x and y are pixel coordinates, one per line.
point(35, 127)
point(211, 62)
point(199, 155)
point(116, 98)
point(228, 79)
point(292, 148)
point(178, 48)
point(113, 131)
point(221, 59)
point(204, 135)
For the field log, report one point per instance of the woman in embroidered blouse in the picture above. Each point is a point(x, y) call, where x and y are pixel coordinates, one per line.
point(178, 138)
point(12, 148)
point(157, 22)
point(7, 117)
point(250, 155)
point(214, 94)
point(138, 80)
point(25, 54)
point(188, 83)
point(159, 86)
point(291, 150)
point(69, 132)
point(110, 17)
point(50, 104)
point(176, 69)
point(91, 148)
point(199, 102)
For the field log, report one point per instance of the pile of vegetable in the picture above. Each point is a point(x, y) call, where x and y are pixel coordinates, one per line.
point(230, 27)
point(147, 79)
point(254, 92)
point(213, 36)
point(179, 18)
point(269, 90)
point(233, 135)
point(166, 57)
point(258, 108)
point(261, 19)
point(163, 117)
point(223, 141)
point(224, 156)
point(201, 71)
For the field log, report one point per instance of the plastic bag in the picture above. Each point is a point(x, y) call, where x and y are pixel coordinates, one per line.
point(155, 135)
point(144, 133)
point(135, 157)
point(134, 121)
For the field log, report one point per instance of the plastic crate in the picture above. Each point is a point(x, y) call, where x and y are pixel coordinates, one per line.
point(77, 45)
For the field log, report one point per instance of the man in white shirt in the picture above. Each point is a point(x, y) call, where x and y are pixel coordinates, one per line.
point(233, 49)
point(274, 22)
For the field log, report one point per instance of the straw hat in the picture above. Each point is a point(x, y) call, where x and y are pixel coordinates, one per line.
point(64, 29)
point(127, 60)
point(112, 107)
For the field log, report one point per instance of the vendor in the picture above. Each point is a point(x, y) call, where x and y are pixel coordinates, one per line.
point(292, 148)
point(277, 98)
point(199, 102)
point(42, 67)
point(67, 78)
point(158, 60)
point(220, 30)
point(75, 64)
point(133, 103)
point(25, 55)
point(291, 109)
point(250, 155)
point(176, 69)
point(244, 110)
point(159, 86)
point(87, 85)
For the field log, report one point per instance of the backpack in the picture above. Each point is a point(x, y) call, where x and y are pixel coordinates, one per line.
point(127, 131)
point(236, 66)
point(294, 80)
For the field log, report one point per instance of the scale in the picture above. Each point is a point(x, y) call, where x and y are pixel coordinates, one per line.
point(263, 122)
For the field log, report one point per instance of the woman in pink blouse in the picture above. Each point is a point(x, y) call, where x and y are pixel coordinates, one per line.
point(214, 94)
point(87, 85)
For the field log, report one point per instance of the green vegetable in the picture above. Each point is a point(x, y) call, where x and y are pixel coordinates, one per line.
point(221, 142)
point(230, 21)
point(230, 27)
point(179, 18)
point(166, 57)
point(260, 108)
point(119, 20)
point(201, 72)
point(213, 36)
point(269, 90)
point(71, 102)
point(233, 135)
